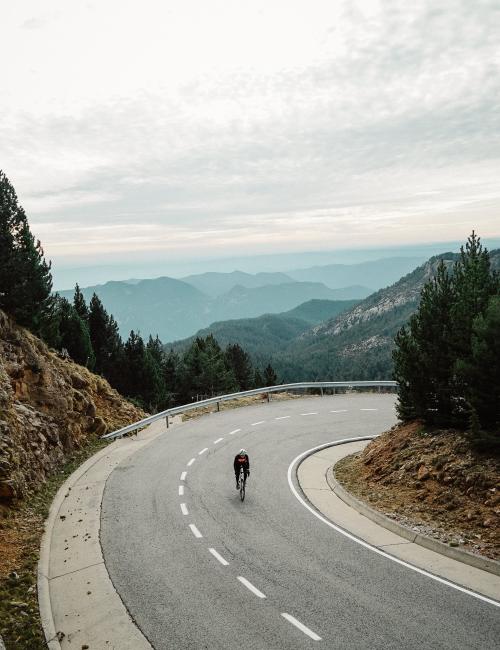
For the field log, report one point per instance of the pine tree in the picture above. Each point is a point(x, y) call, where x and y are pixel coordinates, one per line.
point(25, 280)
point(80, 305)
point(270, 377)
point(106, 342)
point(423, 358)
point(74, 333)
point(239, 362)
point(482, 369)
point(258, 381)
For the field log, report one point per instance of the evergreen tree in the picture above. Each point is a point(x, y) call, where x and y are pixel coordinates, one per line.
point(106, 341)
point(171, 367)
point(270, 377)
point(239, 362)
point(257, 379)
point(482, 369)
point(25, 280)
point(423, 358)
point(80, 305)
point(446, 360)
point(74, 333)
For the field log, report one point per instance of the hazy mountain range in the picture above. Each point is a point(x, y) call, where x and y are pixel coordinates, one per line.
point(175, 309)
point(354, 343)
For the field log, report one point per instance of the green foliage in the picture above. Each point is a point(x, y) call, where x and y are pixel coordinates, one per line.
point(481, 369)
point(80, 305)
point(239, 361)
point(447, 360)
point(270, 377)
point(25, 280)
point(106, 341)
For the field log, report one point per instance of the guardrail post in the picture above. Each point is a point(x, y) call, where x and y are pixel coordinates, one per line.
point(166, 420)
point(321, 391)
point(218, 407)
point(269, 397)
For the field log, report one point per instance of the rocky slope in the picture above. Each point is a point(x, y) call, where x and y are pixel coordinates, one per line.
point(49, 406)
point(432, 481)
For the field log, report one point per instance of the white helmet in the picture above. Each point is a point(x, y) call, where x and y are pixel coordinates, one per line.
point(243, 452)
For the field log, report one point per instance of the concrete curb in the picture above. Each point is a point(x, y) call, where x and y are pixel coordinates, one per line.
point(50, 610)
point(44, 602)
point(476, 561)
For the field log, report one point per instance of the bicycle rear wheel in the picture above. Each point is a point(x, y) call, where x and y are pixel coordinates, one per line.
point(242, 485)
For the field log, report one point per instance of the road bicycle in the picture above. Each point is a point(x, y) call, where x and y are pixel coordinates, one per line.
point(242, 481)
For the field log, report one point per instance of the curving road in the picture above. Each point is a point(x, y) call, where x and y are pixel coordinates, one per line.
point(196, 568)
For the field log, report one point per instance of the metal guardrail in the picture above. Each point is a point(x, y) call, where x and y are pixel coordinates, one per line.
point(321, 385)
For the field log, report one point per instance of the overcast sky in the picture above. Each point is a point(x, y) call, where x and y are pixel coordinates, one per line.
point(139, 130)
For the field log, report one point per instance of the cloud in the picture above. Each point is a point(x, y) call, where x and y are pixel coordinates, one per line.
point(223, 127)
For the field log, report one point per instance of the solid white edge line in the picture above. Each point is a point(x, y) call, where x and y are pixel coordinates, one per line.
point(183, 476)
point(231, 433)
point(291, 619)
point(218, 556)
point(184, 509)
point(195, 531)
point(250, 586)
point(423, 572)
point(283, 417)
point(181, 490)
point(339, 411)
point(368, 409)
point(254, 424)
point(313, 413)
point(191, 462)
point(218, 440)
point(202, 451)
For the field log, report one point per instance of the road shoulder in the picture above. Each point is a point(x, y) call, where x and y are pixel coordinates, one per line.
point(312, 476)
point(79, 606)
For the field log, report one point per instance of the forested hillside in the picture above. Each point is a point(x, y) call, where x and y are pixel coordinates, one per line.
point(263, 336)
point(358, 344)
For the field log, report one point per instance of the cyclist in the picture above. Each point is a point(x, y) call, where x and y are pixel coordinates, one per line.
point(241, 460)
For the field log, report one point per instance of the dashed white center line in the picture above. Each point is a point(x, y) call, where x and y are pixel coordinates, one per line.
point(250, 586)
point(195, 531)
point(313, 413)
point(283, 417)
point(368, 409)
point(181, 490)
point(184, 509)
point(254, 424)
point(183, 476)
point(191, 462)
point(340, 411)
point(301, 627)
point(218, 556)
point(202, 451)
point(218, 440)
point(231, 433)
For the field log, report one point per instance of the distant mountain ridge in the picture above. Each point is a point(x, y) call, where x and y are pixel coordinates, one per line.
point(175, 309)
point(376, 274)
point(216, 284)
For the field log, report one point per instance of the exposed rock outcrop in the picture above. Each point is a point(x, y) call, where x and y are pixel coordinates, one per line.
point(49, 406)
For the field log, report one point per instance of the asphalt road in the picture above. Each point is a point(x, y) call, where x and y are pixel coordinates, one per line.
point(280, 558)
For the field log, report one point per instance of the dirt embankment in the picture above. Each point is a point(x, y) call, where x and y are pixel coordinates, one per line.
point(432, 482)
point(49, 407)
